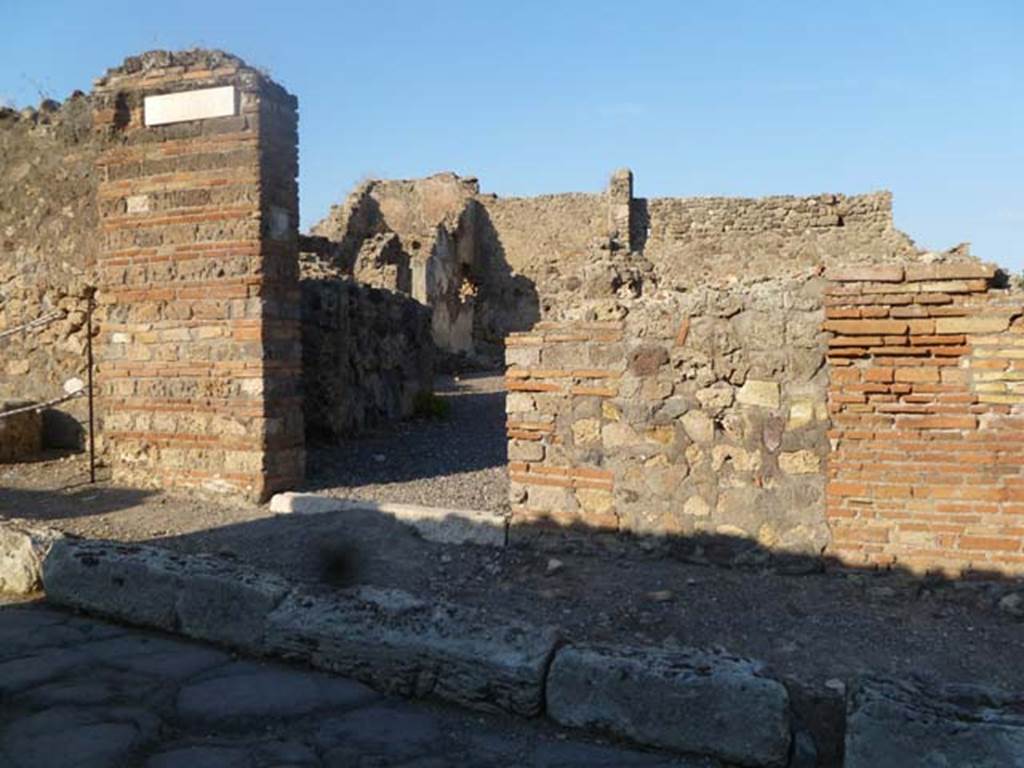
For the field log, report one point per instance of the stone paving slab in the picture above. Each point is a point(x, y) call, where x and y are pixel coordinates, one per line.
point(91, 694)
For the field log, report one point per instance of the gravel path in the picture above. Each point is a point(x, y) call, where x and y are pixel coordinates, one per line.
point(82, 692)
point(457, 461)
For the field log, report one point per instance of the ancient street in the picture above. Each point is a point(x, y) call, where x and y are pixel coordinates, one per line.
point(76, 691)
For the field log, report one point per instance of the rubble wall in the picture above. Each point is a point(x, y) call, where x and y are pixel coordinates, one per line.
point(700, 417)
point(48, 244)
point(367, 354)
point(417, 237)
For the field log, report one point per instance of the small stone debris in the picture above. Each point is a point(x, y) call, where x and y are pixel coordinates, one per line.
point(661, 595)
point(837, 685)
point(1012, 604)
point(554, 566)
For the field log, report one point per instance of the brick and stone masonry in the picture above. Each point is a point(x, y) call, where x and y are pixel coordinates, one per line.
point(926, 389)
point(906, 450)
point(199, 358)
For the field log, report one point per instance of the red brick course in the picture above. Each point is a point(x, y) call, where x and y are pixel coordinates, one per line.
point(927, 373)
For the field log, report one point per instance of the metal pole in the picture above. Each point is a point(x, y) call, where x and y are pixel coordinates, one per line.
point(92, 422)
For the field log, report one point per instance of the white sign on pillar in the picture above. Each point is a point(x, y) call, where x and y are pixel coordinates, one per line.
point(191, 105)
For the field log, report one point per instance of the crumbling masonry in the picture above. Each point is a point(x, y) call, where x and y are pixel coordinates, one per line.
point(749, 378)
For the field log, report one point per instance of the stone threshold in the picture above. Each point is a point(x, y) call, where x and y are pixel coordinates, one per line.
point(439, 524)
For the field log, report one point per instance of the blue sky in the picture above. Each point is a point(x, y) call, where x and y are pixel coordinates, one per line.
point(698, 98)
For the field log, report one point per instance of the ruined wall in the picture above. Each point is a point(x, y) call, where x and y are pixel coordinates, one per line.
point(703, 418)
point(691, 240)
point(199, 357)
point(532, 249)
point(533, 258)
point(926, 397)
point(417, 237)
point(367, 354)
point(48, 245)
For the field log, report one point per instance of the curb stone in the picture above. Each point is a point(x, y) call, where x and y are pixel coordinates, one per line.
point(440, 524)
point(387, 638)
point(23, 548)
point(902, 724)
point(698, 703)
point(400, 644)
point(201, 596)
point(686, 700)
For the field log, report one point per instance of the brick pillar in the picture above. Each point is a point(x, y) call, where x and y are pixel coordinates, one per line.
point(620, 197)
point(926, 393)
point(199, 357)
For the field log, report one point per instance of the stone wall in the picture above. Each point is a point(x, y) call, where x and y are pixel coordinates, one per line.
point(417, 237)
point(926, 398)
point(692, 240)
point(367, 354)
point(700, 417)
point(48, 245)
point(873, 420)
point(508, 262)
point(199, 354)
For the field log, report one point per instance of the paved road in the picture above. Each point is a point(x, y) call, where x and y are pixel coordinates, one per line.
point(81, 693)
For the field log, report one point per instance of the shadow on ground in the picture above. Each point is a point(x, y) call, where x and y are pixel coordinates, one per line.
point(80, 500)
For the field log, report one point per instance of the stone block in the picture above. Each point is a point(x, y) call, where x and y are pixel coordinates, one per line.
point(522, 356)
point(686, 700)
point(699, 426)
point(519, 402)
point(646, 360)
point(802, 462)
point(524, 450)
point(801, 413)
point(23, 548)
point(696, 506)
point(912, 726)
point(595, 501)
point(400, 644)
point(967, 270)
point(585, 431)
point(200, 596)
point(618, 435)
point(764, 394)
point(866, 273)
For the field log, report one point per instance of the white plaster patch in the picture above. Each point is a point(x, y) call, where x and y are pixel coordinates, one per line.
point(137, 203)
point(191, 105)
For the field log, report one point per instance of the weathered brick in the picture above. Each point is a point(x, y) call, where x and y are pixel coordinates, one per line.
point(969, 325)
point(866, 327)
point(953, 271)
point(867, 273)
